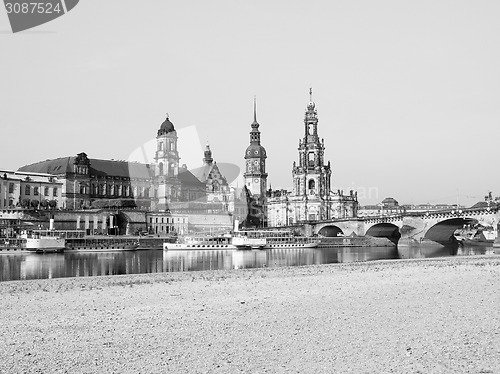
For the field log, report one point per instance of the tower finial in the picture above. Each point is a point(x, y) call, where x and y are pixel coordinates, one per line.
point(310, 94)
point(255, 108)
point(167, 115)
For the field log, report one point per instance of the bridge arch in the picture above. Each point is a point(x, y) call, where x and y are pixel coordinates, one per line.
point(442, 232)
point(330, 231)
point(385, 230)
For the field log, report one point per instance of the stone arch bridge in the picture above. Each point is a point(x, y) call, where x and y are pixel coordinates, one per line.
point(436, 226)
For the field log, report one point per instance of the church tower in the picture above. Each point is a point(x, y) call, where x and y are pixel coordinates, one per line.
point(311, 178)
point(255, 158)
point(166, 165)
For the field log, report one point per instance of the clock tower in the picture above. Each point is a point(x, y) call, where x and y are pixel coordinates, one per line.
point(166, 166)
point(255, 158)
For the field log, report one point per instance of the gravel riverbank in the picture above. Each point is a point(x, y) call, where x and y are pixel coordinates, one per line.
point(401, 316)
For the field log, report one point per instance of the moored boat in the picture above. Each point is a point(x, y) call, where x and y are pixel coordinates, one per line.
point(101, 244)
point(287, 239)
point(268, 239)
point(249, 239)
point(42, 241)
point(479, 235)
point(202, 242)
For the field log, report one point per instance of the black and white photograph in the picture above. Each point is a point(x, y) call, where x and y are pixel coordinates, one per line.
point(250, 186)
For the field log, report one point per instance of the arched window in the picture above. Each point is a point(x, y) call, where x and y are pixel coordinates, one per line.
point(311, 185)
point(27, 190)
point(311, 159)
point(160, 167)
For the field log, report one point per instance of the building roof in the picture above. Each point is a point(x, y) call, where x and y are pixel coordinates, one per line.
point(390, 201)
point(255, 151)
point(483, 205)
point(64, 165)
point(186, 177)
point(203, 172)
point(166, 127)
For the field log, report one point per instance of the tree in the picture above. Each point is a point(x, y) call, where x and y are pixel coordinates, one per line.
point(52, 204)
point(44, 204)
point(35, 203)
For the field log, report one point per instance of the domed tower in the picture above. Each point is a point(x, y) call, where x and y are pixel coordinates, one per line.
point(255, 156)
point(166, 156)
point(311, 177)
point(166, 164)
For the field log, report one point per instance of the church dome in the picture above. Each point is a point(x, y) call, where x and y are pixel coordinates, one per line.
point(390, 201)
point(255, 151)
point(166, 127)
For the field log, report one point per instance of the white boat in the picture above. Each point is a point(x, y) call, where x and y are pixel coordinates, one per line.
point(249, 239)
point(263, 239)
point(286, 239)
point(42, 241)
point(200, 243)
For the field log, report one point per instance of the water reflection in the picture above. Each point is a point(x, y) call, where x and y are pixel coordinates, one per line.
point(73, 264)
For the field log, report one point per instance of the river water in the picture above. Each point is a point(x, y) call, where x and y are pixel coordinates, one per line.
point(21, 266)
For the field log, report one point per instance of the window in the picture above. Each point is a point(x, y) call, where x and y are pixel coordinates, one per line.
point(46, 191)
point(11, 187)
point(35, 191)
point(54, 192)
point(160, 168)
point(27, 189)
point(311, 159)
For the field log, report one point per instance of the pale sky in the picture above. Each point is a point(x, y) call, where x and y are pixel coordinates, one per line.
point(407, 92)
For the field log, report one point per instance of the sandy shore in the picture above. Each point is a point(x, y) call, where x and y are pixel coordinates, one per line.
point(409, 316)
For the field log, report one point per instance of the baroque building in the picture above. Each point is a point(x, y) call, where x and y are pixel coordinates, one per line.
point(163, 190)
point(311, 197)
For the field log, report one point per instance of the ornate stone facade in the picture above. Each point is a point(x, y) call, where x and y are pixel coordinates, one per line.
point(217, 188)
point(311, 197)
